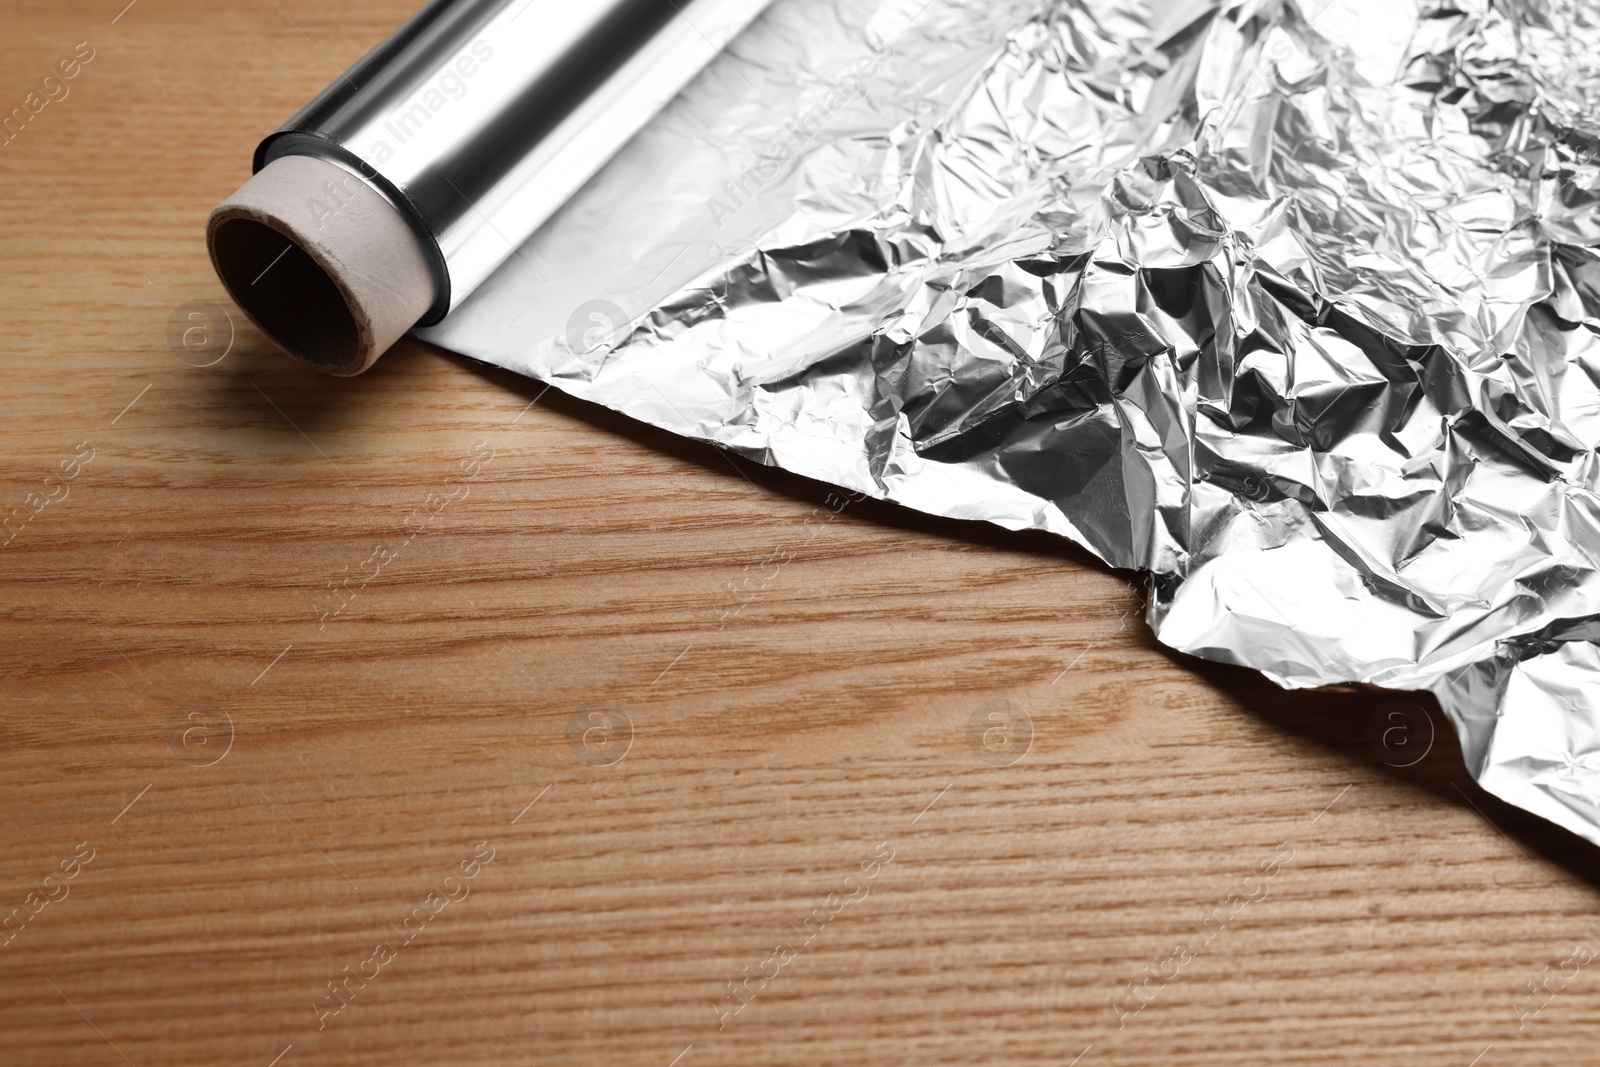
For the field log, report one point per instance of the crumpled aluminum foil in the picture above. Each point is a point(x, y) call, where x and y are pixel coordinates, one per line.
point(1292, 304)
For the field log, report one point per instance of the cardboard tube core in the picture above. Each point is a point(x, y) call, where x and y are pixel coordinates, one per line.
point(322, 263)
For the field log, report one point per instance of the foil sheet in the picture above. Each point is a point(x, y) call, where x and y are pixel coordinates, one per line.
point(1292, 305)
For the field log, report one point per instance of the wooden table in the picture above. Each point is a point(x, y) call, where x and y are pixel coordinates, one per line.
point(736, 779)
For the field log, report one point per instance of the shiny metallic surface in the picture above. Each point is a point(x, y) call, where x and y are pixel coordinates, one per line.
point(1293, 305)
point(479, 118)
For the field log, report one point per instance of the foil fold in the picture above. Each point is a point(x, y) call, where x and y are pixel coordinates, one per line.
point(1292, 304)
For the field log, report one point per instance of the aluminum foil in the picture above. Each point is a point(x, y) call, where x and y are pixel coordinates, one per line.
point(1291, 304)
point(478, 119)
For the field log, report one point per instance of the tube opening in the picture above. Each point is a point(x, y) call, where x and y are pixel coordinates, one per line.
point(286, 293)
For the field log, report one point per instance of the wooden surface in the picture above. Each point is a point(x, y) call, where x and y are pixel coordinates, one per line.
point(268, 789)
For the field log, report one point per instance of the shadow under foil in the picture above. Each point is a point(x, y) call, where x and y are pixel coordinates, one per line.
point(257, 377)
point(1340, 719)
point(1336, 718)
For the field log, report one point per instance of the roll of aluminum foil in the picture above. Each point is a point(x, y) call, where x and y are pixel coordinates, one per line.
point(1293, 305)
point(479, 118)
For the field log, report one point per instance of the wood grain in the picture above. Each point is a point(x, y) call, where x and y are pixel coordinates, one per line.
point(269, 790)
